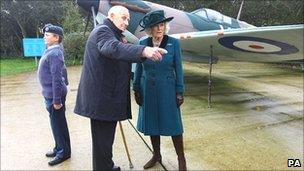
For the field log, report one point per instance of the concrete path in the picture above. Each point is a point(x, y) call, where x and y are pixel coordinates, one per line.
point(255, 123)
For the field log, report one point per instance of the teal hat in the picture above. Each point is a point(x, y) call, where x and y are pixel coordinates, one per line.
point(53, 29)
point(153, 18)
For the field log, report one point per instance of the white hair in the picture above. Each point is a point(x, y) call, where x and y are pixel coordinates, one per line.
point(148, 30)
point(116, 10)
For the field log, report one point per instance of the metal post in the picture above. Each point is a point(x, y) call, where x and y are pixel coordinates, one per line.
point(37, 35)
point(125, 144)
point(94, 16)
point(240, 11)
point(86, 26)
point(210, 80)
point(36, 60)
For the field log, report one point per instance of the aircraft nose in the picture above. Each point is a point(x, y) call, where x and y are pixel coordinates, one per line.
point(87, 5)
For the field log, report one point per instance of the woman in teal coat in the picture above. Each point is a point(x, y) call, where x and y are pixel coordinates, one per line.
point(159, 87)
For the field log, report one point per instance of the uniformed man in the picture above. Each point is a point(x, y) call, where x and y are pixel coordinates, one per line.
point(53, 79)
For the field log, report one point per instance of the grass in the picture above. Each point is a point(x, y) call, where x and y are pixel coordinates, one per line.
point(17, 65)
point(11, 66)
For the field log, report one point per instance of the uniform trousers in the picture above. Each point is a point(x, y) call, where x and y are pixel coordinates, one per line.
point(59, 128)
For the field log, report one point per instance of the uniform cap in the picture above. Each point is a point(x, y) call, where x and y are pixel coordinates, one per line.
point(53, 29)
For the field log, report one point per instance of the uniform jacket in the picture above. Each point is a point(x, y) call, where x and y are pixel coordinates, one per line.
point(158, 83)
point(52, 73)
point(104, 88)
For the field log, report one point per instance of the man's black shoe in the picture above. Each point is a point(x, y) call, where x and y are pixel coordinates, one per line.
point(116, 168)
point(50, 154)
point(58, 160)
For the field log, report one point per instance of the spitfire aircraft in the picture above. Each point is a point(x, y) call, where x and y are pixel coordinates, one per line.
point(198, 32)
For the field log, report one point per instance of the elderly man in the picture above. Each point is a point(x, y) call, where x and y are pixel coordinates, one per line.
point(104, 88)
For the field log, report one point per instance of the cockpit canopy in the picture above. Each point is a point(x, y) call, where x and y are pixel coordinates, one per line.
point(210, 14)
point(215, 16)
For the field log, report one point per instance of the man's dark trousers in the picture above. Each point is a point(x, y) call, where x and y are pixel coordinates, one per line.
point(59, 129)
point(103, 133)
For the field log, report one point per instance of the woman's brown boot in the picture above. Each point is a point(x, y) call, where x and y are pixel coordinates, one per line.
point(155, 141)
point(179, 148)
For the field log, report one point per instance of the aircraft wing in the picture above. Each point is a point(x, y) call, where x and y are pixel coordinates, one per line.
point(259, 44)
point(256, 44)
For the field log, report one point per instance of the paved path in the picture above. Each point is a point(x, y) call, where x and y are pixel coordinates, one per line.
point(249, 125)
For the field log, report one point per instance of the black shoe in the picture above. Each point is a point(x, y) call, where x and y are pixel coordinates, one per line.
point(153, 161)
point(50, 154)
point(58, 160)
point(116, 168)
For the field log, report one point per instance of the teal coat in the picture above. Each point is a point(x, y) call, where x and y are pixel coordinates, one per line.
point(158, 83)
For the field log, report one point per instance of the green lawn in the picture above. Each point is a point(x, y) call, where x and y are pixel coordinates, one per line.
point(10, 66)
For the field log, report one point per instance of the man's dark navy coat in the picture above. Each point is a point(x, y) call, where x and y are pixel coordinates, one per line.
point(104, 88)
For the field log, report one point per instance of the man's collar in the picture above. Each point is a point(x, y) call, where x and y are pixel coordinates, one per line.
point(110, 24)
point(53, 46)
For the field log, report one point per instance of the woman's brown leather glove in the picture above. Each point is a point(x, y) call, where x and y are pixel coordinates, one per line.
point(179, 99)
point(138, 97)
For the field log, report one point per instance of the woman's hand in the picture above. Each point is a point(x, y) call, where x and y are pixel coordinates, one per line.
point(57, 106)
point(179, 99)
point(138, 97)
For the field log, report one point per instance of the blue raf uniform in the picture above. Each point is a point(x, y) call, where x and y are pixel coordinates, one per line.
point(52, 76)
